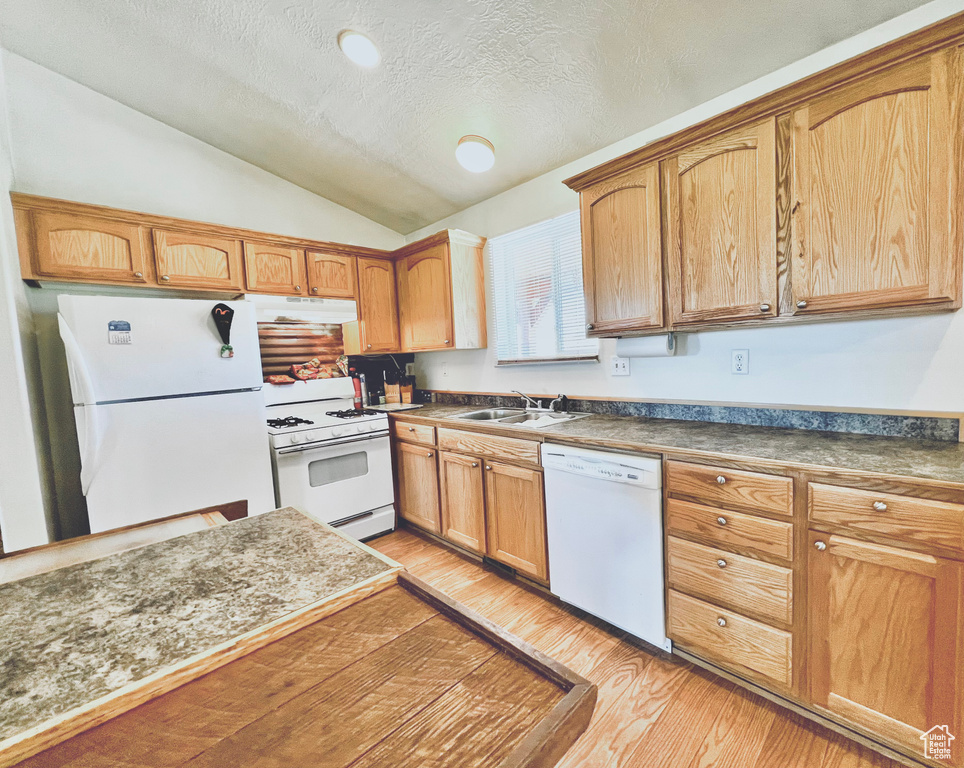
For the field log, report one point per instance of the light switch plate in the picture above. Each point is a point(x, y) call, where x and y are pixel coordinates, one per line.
point(619, 366)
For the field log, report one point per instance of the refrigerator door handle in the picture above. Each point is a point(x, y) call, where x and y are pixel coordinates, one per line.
point(83, 387)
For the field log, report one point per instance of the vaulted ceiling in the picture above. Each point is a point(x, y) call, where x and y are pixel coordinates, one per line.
point(547, 81)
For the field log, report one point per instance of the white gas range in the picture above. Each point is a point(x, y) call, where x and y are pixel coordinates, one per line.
point(329, 459)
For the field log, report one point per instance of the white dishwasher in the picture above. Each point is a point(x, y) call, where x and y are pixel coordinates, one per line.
point(605, 531)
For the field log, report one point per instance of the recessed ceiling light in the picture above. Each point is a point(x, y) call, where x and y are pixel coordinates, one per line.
point(359, 48)
point(475, 154)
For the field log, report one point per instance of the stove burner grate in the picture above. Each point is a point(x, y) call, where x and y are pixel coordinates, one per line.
point(288, 421)
point(351, 413)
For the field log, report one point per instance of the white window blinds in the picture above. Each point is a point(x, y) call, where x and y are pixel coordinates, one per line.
point(540, 313)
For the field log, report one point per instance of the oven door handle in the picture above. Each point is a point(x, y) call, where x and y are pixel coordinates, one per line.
point(318, 446)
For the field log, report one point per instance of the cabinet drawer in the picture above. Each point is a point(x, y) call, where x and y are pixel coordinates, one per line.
point(731, 529)
point(422, 434)
point(497, 447)
point(731, 487)
point(887, 514)
point(748, 585)
point(741, 641)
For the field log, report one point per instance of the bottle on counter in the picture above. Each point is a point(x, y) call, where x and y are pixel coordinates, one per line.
point(364, 390)
point(356, 383)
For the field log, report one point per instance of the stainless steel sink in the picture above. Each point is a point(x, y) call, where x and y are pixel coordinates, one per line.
point(519, 417)
point(490, 414)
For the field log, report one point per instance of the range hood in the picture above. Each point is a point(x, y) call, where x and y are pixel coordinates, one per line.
point(302, 309)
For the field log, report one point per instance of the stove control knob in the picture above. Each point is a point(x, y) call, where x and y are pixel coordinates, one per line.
point(294, 439)
point(365, 427)
point(337, 432)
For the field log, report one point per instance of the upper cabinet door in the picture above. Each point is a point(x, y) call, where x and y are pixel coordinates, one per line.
point(425, 300)
point(721, 227)
point(274, 269)
point(377, 306)
point(621, 252)
point(332, 275)
point(877, 184)
point(88, 248)
point(186, 260)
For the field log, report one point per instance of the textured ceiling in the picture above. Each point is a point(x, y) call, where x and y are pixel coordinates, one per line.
point(546, 81)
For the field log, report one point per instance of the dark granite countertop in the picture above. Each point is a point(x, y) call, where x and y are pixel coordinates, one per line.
point(920, 459)
point(76, 634)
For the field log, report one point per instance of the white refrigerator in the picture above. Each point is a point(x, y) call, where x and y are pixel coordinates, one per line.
point(165, 424)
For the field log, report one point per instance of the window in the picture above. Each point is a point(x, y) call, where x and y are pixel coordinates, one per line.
point(540, 313)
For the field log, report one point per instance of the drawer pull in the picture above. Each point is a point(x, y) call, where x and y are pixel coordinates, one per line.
point(820, 546)
point(721, 621)
point(411, 429)
point(880, 506)
point(720, 479)
point(721, 562)
point(721, 520)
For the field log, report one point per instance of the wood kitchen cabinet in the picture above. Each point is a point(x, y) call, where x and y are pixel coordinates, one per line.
point(720, 199)
point(516, 518)
point(377, 306)
point(441, 293)
point(877, 190)
point(331, 275)
point(417, 477)
point(622, 253)
point(274, 269)
point(463, 500)
point(193, 260)
point(886, 628)
point(83, 248)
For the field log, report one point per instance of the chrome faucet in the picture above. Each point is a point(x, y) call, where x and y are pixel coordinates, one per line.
point(529, 400)
point(563, 402)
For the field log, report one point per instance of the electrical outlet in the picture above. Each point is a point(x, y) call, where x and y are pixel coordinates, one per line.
point(740, 361)
point(409, 369)
point(619, 366)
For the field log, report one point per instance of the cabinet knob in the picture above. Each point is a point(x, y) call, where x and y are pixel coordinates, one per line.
point(721, 520)
point(880, 506)
point(720, 479)
point(411, 429)
point(475, 464)
point(369, 346)
point(721, 621)
point(314, 290)
point(820, 546)
point(589, 326)
point(165, 278)
point(764, 307)
point(429, 454)
point(721, 563)
point(298, 288)
point(802, 304)
point(447, 341)
point(488, 468)
point(138, 274)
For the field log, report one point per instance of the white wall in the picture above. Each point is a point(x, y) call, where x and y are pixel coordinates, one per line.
point(22, 519)
point(69, 142)
point(901, 363)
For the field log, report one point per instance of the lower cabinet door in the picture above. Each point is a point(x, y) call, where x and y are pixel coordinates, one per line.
point(885, 638)
point(463, 501)
point(418, 500)
point(516, 518)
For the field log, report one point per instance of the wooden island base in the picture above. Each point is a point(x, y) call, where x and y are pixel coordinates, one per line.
point(406, 677)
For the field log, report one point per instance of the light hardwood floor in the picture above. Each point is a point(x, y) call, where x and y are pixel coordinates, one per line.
point(651, 710)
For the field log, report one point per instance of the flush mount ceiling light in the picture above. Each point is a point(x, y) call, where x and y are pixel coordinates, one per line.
point(475, 154)
point(358, 48)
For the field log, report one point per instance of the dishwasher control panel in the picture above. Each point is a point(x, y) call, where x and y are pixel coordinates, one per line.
point(583, 463)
